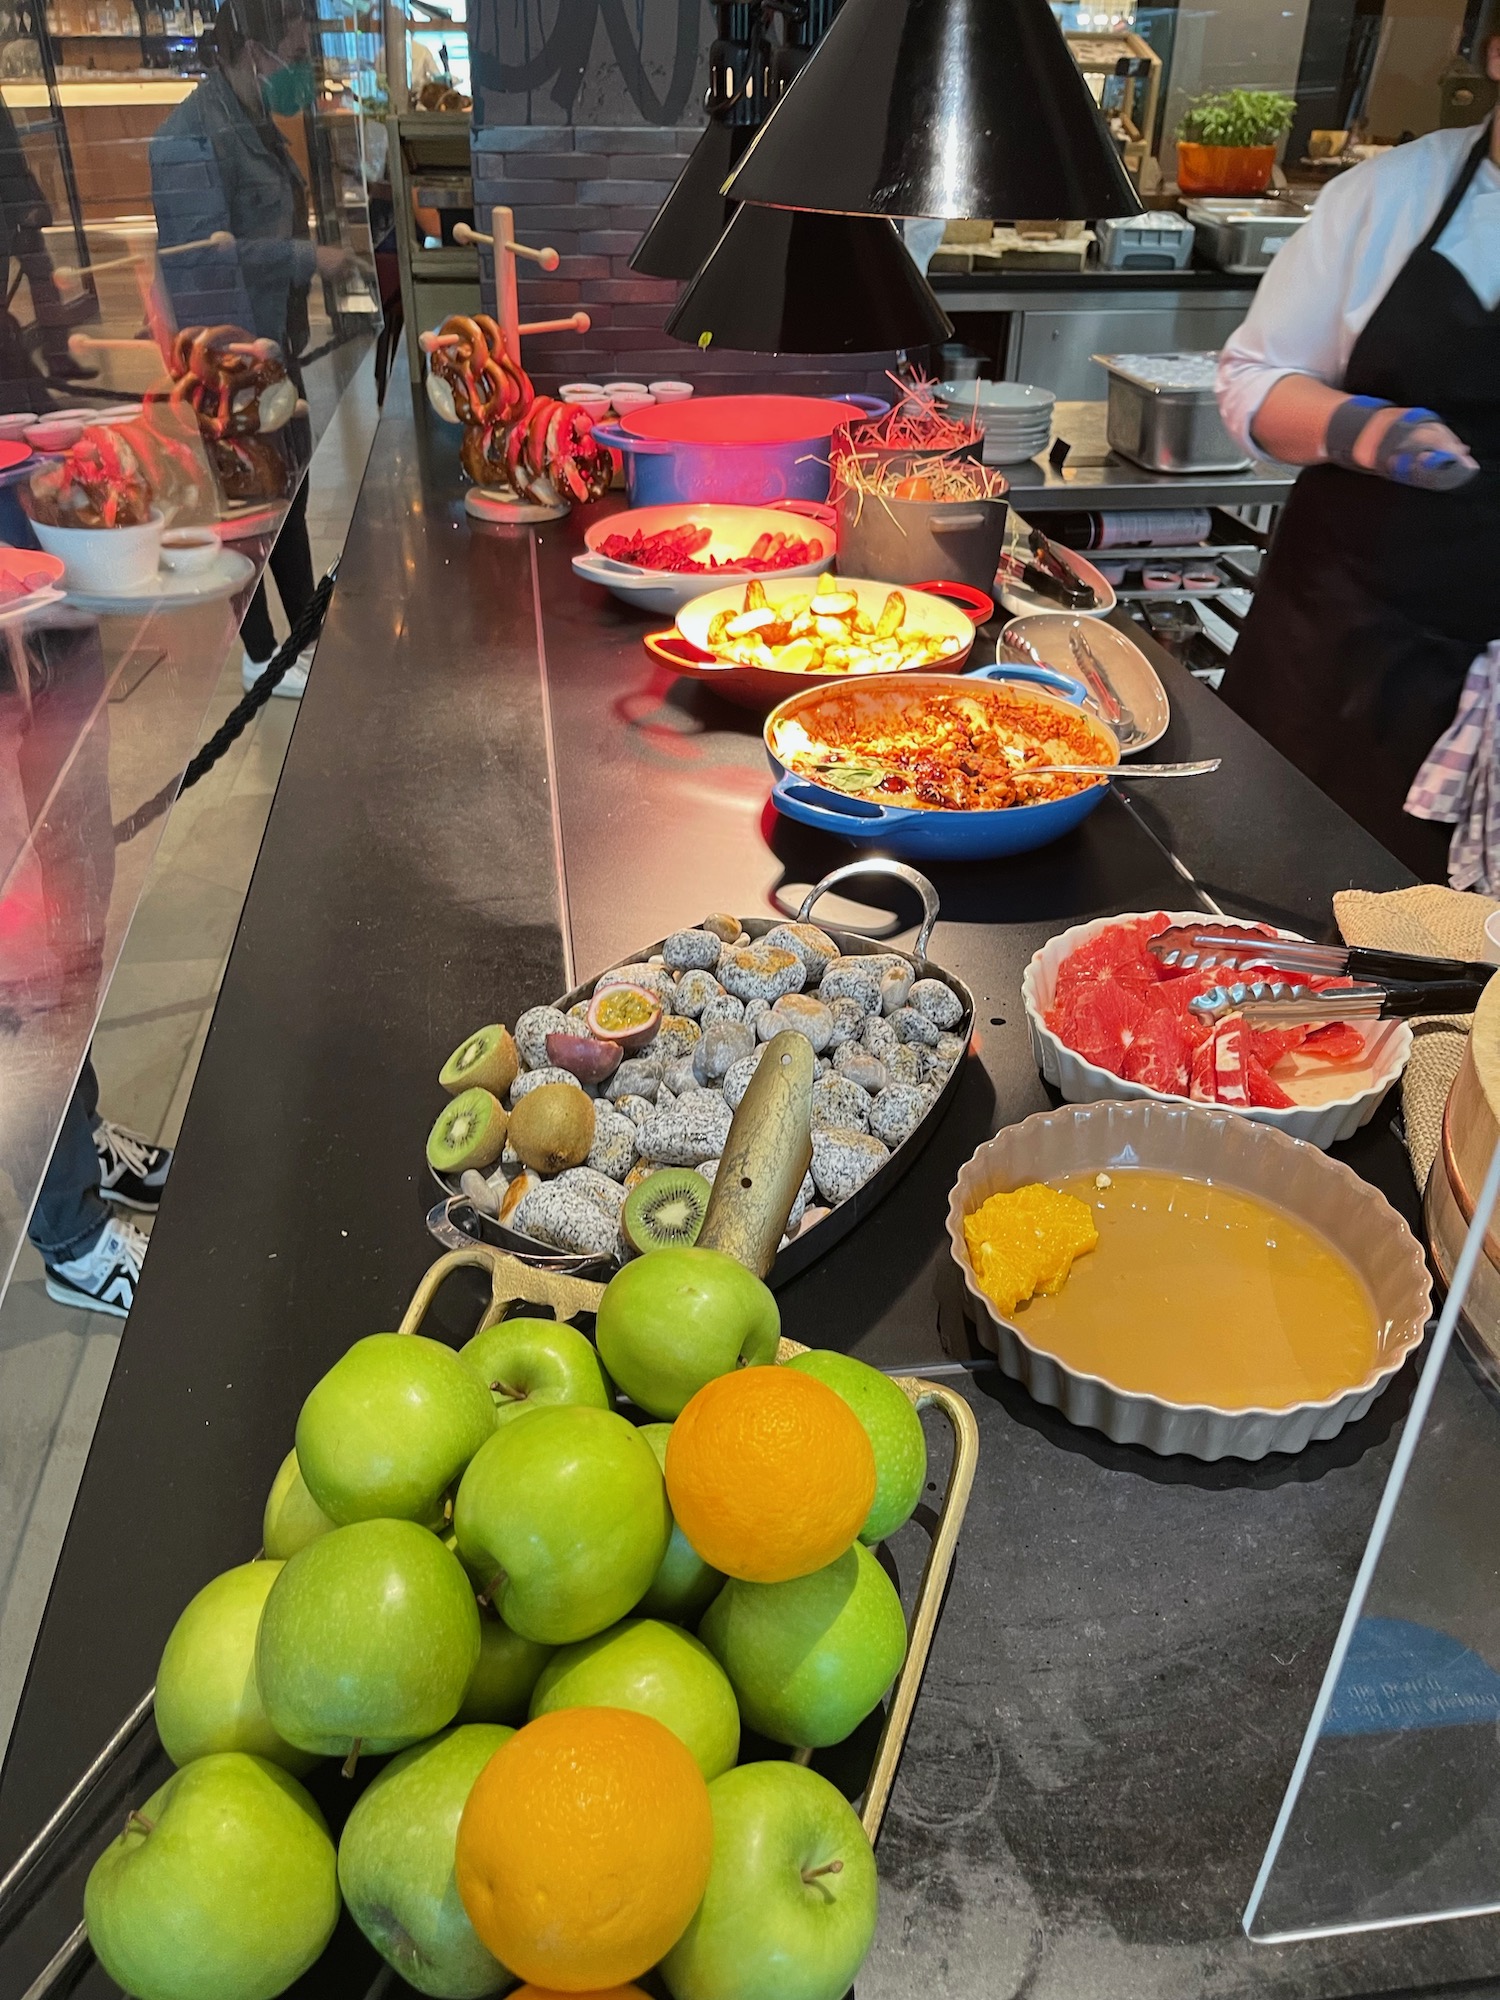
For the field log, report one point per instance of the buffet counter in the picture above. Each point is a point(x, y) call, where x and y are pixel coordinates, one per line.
point(490, 791)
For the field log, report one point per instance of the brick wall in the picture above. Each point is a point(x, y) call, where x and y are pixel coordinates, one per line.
point(591, 192)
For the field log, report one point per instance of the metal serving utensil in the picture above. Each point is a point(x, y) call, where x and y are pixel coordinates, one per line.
point(1198, 768)
point(1116, 711)
point(1268, 1001)
point(1208, 945)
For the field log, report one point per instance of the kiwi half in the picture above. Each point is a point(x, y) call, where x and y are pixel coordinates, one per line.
point(488, 1058)
point(666, 1210)
point(470, 1132)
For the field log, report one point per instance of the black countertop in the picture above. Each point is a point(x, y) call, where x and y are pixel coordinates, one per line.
point(488, 783)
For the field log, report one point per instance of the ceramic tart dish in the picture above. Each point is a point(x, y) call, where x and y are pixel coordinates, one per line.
point(1083, 1082)
point(1206, 1144)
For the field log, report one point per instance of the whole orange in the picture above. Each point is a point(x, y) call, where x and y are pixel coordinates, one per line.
point(551, 1993)
point(584, 1848)
point(770, 1474)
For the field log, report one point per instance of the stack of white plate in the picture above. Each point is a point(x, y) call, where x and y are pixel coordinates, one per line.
point(1016, 416)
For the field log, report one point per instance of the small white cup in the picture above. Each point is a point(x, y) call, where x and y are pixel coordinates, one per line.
point(1492, 939)
point(613, 389)
point(595, 406)
point(582, 392)
point(189, 551)
point(624, 404)
point(671, 392)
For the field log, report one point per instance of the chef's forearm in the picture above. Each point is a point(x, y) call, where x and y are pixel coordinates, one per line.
point(1292, 423)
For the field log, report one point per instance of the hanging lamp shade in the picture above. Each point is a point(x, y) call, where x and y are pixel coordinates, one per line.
point(691, 219)
point(782, 282)
point(939, 107)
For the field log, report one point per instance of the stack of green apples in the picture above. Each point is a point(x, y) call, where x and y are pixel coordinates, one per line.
point(460, 1541)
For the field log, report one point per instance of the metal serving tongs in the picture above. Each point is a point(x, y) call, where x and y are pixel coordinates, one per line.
point(1396, 985)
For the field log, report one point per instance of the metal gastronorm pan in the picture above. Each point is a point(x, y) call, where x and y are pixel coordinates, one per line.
point(456, 1223)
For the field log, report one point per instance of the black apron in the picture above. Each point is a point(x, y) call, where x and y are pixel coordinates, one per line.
point(1376, 597)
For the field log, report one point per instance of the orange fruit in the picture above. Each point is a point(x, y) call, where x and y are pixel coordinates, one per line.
point(551, 1993)
point(584, 1848)
point(770, 1474)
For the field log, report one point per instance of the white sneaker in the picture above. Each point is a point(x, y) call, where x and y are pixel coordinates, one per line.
point(293, 682)
point(104, 1278)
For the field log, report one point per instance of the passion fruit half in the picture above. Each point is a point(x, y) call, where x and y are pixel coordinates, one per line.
point(627, 1015)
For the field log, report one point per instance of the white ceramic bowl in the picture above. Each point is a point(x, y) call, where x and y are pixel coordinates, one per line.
point(1083, 1082)
point(997, 399)
point(734, 531)
point(613, 389)
point(582, 392)
point(101, 561)
point(671, 392)
point(1202, 1142)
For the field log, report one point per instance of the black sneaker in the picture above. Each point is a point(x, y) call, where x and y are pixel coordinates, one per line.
point(104, 1278)
point(132, 1172)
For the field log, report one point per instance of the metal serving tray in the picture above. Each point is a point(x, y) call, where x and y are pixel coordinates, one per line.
point(456, 1223)
point(1243, 236)
point(1164, 415)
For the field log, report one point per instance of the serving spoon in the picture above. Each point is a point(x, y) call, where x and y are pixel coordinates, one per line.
point(1196, 769)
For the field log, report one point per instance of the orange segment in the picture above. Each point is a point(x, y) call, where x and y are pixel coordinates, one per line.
point(1025, 1242)
point(584, 1848)
point(770, 1474)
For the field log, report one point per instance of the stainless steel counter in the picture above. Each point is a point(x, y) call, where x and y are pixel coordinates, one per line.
point(1094, 476)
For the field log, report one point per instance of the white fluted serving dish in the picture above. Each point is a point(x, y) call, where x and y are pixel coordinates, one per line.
point(1205, 1143)
point(1082, 1082)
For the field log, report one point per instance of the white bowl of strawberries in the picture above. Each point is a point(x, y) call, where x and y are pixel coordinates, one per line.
point(1107, 1019)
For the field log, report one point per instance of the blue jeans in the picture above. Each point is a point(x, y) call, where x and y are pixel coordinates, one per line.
point(70, 1213)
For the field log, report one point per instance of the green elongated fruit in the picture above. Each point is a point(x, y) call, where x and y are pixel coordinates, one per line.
point(767, 1154)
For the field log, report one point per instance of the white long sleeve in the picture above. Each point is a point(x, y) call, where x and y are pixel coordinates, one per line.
point(1322, 289)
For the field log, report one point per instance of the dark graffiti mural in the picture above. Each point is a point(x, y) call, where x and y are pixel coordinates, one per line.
point(589, 62)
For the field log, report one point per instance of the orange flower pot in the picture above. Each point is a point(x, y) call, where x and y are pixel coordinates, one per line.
point(1224, 169)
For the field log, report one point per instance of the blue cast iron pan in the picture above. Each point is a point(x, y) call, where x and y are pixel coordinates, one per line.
point(936, 835)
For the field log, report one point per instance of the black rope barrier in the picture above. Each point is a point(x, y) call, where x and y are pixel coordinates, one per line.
point(305, 629)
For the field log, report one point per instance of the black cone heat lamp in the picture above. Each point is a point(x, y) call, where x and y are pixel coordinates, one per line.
point(769, 280)
point(956, 108)
point(692, 218)
point(781, 282)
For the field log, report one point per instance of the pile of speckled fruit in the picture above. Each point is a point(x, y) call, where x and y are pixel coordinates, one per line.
point(564, 1655)
point(598, 1131)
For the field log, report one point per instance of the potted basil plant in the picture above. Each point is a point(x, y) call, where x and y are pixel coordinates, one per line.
point(1226, 143)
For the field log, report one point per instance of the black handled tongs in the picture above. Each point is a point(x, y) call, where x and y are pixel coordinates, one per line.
point(1396, 985)
point(1269, 1001)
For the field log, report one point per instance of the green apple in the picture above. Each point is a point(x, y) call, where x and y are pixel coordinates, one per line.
point(368, 1640)
point(207, 1697)
point(527, 1363)
point(658, 1670)
point(674, 1319)
point(507, 1672)
point(684, 1584)
point(396, 1865)
point(790, 1908)
point(809, 1659)
point(292, 1518)
point(893, 1428)
point(389, 1428)
point(222, 1887)
point(565, 1518)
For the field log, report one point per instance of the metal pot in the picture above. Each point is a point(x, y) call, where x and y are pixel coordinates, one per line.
point(909, 541)
point(749, 451)
point(937, 835)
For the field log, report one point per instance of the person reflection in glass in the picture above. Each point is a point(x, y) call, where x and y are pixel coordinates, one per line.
point(219, 164)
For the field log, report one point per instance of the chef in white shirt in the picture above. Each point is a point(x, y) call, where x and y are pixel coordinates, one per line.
point(1371, 356)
